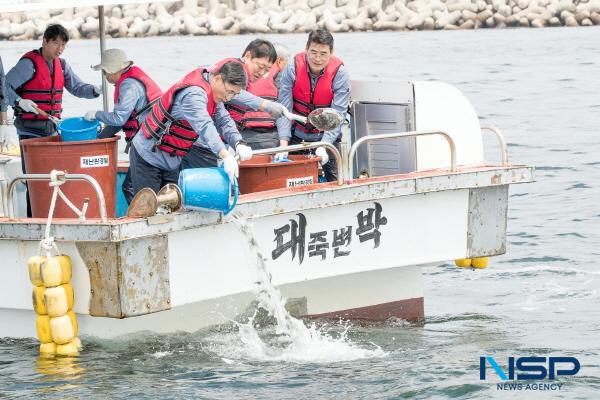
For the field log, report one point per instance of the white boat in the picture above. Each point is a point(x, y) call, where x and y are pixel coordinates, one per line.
point(414, 189)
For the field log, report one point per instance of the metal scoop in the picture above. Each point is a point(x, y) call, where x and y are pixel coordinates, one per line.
point(324, 119)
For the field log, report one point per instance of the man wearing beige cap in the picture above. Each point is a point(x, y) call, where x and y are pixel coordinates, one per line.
point(135, 93)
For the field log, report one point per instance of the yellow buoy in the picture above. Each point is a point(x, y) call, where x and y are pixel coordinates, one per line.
point(42, 324)
point(62, 329)
point(34, 266)
point(48, 348)
point(463, 262)
point(65, 267)
point(37, 297)
point(51, 272)
point(56, 301)
point(69, 292)
point(480, 262)
point(67, 349)
point(73, 317)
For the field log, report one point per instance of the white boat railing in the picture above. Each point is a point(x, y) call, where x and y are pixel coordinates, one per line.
point(394, 135)
point(67, 177)
point(500, 136)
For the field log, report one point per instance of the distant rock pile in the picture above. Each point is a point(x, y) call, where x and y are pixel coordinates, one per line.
point(214, 17)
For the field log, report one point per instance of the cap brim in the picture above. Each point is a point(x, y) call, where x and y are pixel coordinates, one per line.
point(97, 67)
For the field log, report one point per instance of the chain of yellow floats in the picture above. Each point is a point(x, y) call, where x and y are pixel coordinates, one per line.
point(56, 323)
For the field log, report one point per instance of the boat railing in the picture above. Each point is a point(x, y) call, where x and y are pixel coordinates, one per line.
point(500, 136)
point(47, 177)
point(307, 146)
point(394, 135)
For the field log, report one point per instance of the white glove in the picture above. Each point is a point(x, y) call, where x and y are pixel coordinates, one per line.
point(281, 157)
point(28, 106)
point(244, 151)
point(98, 89)
point(231, 167)
point(275, 109)
point(321, 152)
point(90, 115)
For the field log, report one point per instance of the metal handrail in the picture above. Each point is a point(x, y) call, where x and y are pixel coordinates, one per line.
point(500, 136)
point(67, 177)
point(363, 139)
point(307, 146)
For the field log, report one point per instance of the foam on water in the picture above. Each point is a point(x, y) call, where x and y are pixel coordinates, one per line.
point(290, 339)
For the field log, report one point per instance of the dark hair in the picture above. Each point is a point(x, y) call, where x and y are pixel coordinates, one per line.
point(320, 36)
point(233, 73)
point(54, 31)
point(260, 48)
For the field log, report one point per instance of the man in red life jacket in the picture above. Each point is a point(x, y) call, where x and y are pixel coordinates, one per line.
point(37, 83)
point(257, 59)
point(189, 113)
point(135, 93)
point(315, 79)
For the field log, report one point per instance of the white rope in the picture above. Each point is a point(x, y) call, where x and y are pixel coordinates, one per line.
point(56, 180)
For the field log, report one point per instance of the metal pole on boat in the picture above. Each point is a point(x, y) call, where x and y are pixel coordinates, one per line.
point(102, 47)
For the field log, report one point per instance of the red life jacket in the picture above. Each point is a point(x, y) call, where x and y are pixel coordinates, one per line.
point(152, 91)
point(44, 89)
point(176, 137)
point(244, 117)
point(305, 99)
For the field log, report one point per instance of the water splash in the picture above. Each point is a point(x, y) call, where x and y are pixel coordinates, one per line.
point(289, 339)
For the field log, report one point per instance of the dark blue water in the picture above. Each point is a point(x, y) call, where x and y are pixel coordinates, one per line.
point(542, 88)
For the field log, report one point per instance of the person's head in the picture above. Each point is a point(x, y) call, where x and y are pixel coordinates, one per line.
point(259, 56)
point(319, 49)
point(228, 81)
point(283, 55)
point(54, 41)
point(114, 63)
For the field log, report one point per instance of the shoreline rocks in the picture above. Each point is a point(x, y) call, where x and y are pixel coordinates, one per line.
point(222, 17)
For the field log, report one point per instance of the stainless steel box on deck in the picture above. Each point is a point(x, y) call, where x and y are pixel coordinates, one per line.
point(376, 108)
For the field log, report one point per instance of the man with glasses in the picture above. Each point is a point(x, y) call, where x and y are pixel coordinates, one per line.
point(315, 79)
point(257, 59)
point(190, 114)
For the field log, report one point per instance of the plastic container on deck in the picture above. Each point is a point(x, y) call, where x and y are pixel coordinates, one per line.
point(97, 158)
point(76, 129)
point(259, 173)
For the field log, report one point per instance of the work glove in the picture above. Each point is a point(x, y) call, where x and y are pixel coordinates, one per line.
point(281, 157)
point(28, 106)
point(90, 115)
point(275, 109)
point(243, 151)
point(98, 89)
point(231, 167)
point(321, 152)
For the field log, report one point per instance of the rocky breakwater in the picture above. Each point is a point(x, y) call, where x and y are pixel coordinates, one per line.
point(217, 17)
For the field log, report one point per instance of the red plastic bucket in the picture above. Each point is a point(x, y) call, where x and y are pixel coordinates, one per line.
point(96, 158)
point(259, 173)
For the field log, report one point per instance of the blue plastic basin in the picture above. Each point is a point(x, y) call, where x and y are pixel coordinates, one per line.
point(76, 129)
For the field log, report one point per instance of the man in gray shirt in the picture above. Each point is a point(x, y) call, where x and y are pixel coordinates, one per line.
point(314, 79)
point(190, 113)
point(37, 81)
